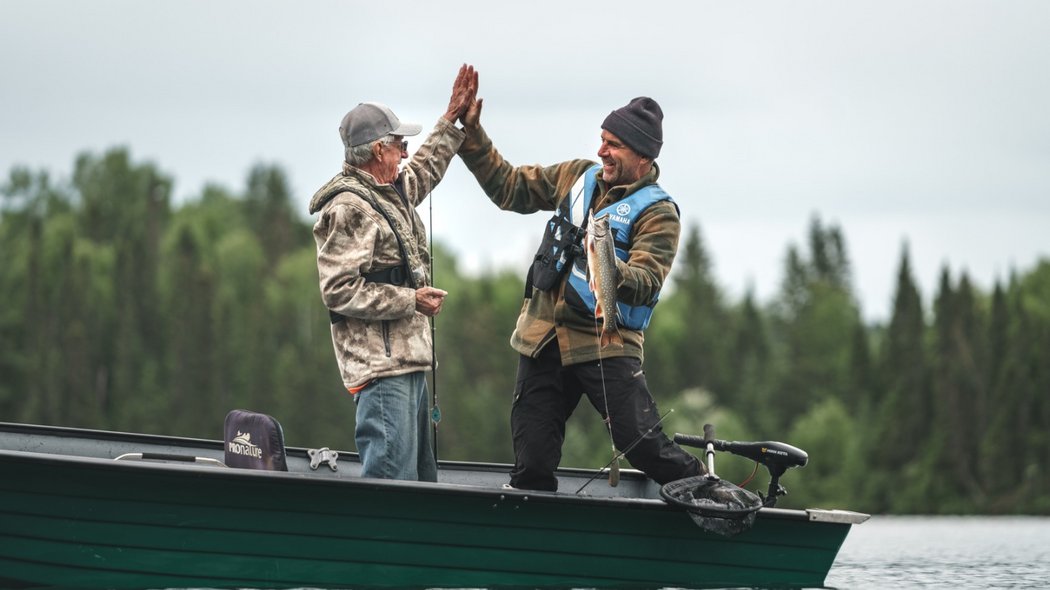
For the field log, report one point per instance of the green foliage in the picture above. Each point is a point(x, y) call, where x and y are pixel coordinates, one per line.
point(815, 322)
point(694, 408)
point(123, 311)
point(476, 365)
point(701, 321)
point(901, 406)
point(836, 464)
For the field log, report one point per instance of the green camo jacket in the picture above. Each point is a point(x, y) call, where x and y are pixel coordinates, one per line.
point(381, 334)
point(544, 316)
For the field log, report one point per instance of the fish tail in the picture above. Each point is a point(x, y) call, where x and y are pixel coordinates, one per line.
point(611, 335)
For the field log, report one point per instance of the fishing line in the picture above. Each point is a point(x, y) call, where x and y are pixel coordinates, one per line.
point(629, 448)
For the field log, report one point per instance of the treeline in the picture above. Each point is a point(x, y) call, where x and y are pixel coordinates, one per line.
point(122, 311)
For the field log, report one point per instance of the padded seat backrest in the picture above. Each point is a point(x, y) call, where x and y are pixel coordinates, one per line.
point(254, 441)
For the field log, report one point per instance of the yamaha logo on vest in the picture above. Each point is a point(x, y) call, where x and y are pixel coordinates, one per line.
point(622, 211)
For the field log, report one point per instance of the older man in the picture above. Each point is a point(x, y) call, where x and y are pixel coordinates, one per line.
point(373, 264)
point(557, 333)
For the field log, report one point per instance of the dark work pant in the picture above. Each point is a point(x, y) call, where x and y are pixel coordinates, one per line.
point(545, 396)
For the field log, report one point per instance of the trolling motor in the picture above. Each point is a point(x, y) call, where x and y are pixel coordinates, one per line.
point(778, 457)
point(721, 507)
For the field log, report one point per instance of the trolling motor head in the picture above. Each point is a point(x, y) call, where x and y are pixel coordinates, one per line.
point(778, 457)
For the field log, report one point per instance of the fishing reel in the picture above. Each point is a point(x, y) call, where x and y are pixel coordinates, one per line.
point(778, 457)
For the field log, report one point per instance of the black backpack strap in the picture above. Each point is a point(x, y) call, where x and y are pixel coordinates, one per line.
point(528, 283)
point(397, 236)
point(396, 275)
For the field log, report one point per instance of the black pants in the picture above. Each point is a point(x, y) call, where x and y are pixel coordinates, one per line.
point(546, 395)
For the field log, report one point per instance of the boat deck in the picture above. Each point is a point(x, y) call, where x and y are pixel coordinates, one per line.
point(108, 445)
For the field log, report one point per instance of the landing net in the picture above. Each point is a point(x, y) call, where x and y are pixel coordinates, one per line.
point(715, 505)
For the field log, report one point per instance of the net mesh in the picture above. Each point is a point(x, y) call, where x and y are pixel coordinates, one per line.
point(715, 505)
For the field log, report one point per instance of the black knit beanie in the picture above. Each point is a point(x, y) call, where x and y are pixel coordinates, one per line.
point(639, 125)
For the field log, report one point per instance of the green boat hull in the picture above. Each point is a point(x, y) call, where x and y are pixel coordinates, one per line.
point(92, 522)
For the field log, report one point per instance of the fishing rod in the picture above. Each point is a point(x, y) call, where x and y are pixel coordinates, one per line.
point(629, 448)
point(614, 471)
point(435, 411)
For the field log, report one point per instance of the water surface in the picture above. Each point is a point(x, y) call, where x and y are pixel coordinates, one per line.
point(957, 553)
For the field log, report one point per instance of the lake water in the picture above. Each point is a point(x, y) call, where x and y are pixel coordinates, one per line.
point(957, 553)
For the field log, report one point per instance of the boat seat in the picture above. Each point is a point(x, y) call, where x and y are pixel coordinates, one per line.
point(254, 441)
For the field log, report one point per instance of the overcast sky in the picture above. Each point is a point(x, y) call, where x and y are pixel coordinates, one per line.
point(901, 122)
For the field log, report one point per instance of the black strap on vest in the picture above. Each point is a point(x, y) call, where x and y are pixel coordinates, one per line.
point(396, 275)
point(575, 235)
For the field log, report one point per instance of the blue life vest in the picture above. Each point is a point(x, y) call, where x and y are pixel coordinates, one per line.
point(622, 215)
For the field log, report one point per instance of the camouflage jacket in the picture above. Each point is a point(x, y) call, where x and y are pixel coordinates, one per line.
point(545, 316)
point(381, 333)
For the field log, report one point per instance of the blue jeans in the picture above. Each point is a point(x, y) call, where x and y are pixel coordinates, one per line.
point(393, 429)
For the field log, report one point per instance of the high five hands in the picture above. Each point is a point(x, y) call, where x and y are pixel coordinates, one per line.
point(464, 93)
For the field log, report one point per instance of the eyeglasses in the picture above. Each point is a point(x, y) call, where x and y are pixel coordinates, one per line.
point(404, 144)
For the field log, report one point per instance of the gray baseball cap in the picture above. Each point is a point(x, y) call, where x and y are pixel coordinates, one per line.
point(369, 121)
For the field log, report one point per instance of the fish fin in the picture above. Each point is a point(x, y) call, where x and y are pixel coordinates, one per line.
point(611, 336)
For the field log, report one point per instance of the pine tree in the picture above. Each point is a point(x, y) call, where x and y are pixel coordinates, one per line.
point(959, 396)
point(816, 318)
point(126, 205)
point(702, 350)
point(268, 204)
point(751, 359)
point(902, 410)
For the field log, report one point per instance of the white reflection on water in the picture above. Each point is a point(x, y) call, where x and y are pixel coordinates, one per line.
point(945, 552)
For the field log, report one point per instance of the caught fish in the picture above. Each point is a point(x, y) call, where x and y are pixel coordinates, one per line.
point(602, 278)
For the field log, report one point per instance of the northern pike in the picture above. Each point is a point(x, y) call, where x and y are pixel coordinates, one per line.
point(602, 278)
